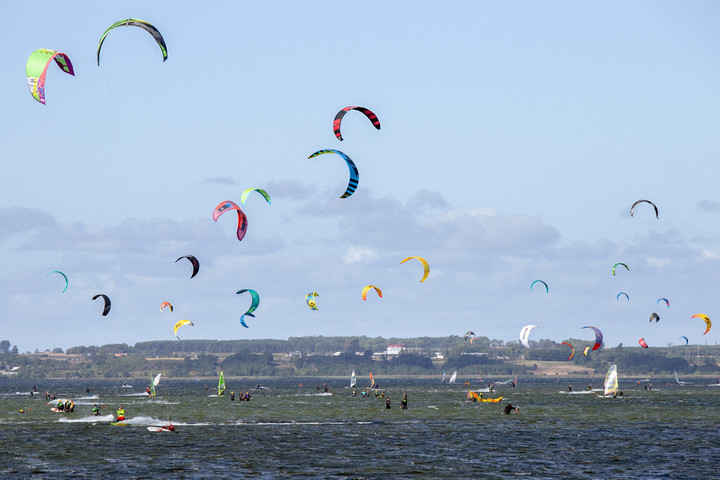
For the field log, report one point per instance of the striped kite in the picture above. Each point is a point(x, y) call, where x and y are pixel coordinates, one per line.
point(354, 174)
point(242, 218)
point(338, 118)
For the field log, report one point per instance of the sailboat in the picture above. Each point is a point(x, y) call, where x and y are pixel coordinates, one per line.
point(352, 379)
point(221, 384)
point(611, 381)
point(453, 377)
point(677, 379)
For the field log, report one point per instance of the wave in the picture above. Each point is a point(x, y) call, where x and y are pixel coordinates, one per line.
point(88, 419)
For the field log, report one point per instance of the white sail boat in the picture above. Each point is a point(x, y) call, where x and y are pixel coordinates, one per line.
point(352, 379)
point(611, 381)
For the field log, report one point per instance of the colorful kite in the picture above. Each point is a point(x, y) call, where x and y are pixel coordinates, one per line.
point(36, 69)
point(354, 174)
point(135, 22)
point(338, 118)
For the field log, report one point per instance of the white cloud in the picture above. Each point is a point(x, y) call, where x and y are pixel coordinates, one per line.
point(356, 254)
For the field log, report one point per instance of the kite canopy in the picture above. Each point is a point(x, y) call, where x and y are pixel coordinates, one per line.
point(525, 335)
point(194, 262)
point(36, 69)
point(107, 303)
point(686, 339)
point(242, 218)
point(367, 288)
point(573, 349)
point(642, 343)
point(64, 276)
point(253, 305)
point(632, 209)
point(654, 316)
point(547, 290)
point(623, 293)
point(614, 266)
point(246, 192)
point(598, 338)
point(585, 351)
point(469, 334)
point(179, 324)
point(338, 118)
point(166, 304)
point(135, 22)
point(426, 266)
point(310, 300)
point(706, 319)
point(667, 302)
point(354, 174)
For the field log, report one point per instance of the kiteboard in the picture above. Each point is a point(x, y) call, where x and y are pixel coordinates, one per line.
point(56, 410)
point(118, 424)
point(491, 400)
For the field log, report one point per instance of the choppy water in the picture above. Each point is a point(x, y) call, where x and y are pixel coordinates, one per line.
point(290, 432)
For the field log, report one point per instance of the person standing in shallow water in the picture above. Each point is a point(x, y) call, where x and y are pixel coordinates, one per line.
point(509, 408)
point(387, 403)
point(403, 402)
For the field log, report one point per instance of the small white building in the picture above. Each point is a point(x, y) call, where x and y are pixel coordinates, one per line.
point(394, 349)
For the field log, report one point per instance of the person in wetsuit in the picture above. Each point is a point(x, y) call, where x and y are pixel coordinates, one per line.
point(509, 408)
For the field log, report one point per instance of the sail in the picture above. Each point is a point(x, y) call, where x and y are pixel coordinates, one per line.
point(221, 384)
point(611, 381)
point(452, 377)
point(372, 381)
point(156, 382)
point(352, 379)
point(152, 386)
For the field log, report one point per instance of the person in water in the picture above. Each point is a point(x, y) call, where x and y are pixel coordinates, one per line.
point(96, 410)
point(569, 388)
point(61, 406)
point(87, 390)
point(403, 401)
point(120, 414)
point(509, 408)
point(232, 396)
point(387, 403)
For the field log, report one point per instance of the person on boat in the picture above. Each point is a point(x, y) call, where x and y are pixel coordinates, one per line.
point(232, 396)
point(403, 401)
point(96, 410)
point(169, 426)
point(387, 403)
point(120, 414)
point(509, 408)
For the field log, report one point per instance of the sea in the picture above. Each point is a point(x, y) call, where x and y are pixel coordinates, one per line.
point(293, 428)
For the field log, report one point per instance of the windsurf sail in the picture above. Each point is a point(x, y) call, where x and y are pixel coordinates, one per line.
point(352, 379)
point(611, 381)
point(221, 384)
point(372, 381)
point(677, 379)
point(452, 377)
point(152, 384)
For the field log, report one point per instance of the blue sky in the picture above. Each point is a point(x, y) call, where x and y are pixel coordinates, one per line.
point(515, 137)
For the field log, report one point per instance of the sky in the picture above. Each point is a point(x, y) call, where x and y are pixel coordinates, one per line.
point(515, 136)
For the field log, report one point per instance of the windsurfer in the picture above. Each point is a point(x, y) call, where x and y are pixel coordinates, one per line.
point(120, 414)
point(509, 408)
point(148, 391)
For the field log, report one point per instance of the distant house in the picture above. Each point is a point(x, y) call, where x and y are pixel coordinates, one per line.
point(438, 356)
point(394, 349)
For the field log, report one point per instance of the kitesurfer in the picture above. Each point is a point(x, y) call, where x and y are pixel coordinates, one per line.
point(87, 390)
point(569, 388)
point(589, 387)
point(96, 410)
point(508, 408)
point(387, 403)
point(61, 406)
point(491, 389)
point(120, 414)
point(403, 402)
point(232, 396)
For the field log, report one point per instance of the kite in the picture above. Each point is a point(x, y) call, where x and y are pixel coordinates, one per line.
point(655, 317)
point(598, 337)
point(707, 320)
point(354, 174)
point(195, 264)
point(242, 218)
point(246, 192)
point(310, 300)
point(547, 290)
point(623, 293)
point(664, 300)
point(613, 269)
point(135, 22)
point(643, 343)
point(686, 339)
point(338, 118)
point(426, 266)
point(573, 349)
point(180, 324)
point(166, 304)
point(367, 288)
point(253, 305)
point(468, 334)
point(64, 276)
point(106, 310)
point(525, 334)
point(585, 351)
point(657, 215)
point(36, 69)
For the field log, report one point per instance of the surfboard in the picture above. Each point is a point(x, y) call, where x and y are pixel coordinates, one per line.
point(120, 424)
point(159, 429)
